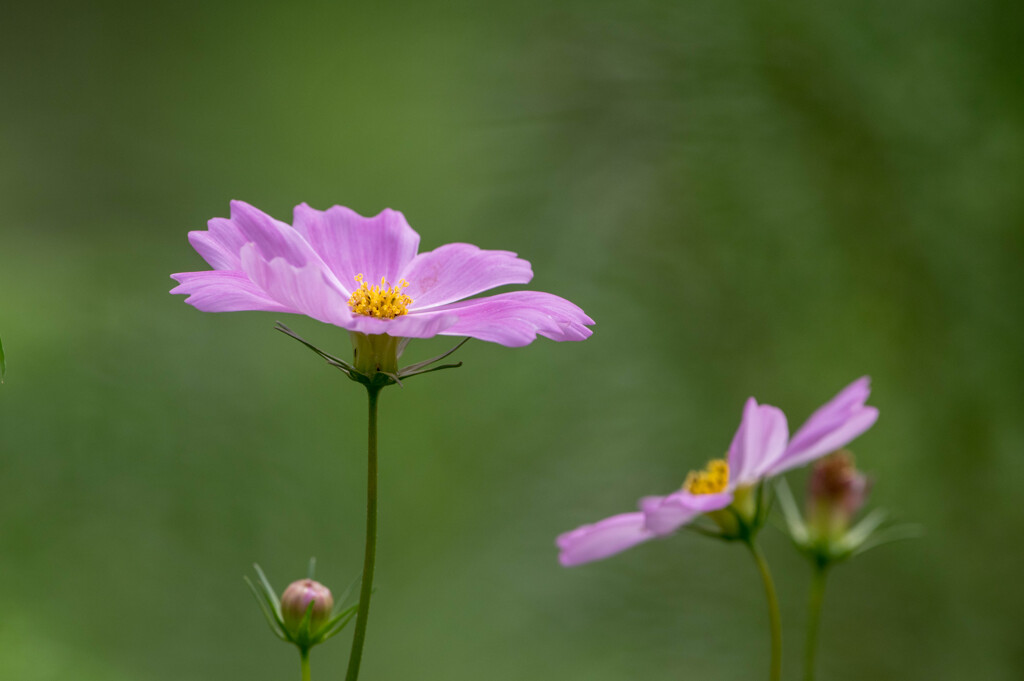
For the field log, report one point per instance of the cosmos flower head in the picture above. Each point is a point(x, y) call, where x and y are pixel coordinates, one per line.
point(365, 274)
point(760, 449)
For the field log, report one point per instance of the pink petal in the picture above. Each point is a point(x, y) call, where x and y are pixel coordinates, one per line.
point(840, 435)
point(456, 271)
point(759, 442)
point(272, 238)
point(220, 291)
point(220, 244)
point(380, 246)
point(406, 326)
point(602, 539)
point(664, 515)
point(514, 319)
point(834, 425)
point(307, 289)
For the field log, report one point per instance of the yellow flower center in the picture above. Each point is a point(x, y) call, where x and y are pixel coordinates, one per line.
point(712, 480)
point(383, 302)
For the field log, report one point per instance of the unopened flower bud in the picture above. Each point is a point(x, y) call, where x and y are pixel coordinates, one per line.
point(295, 602)
point(836, 490)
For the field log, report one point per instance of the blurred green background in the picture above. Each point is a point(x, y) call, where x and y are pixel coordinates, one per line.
point(750, 198)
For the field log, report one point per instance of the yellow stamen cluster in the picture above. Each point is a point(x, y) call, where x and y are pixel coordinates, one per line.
point(712, 480)
point(383, 302)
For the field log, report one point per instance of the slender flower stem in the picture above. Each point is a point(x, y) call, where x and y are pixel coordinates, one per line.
point(817, 595)
point(356, 656)
point(773, 610)
point(305, 664)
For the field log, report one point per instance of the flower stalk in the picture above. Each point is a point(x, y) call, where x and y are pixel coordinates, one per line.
point(814, 602)
point(369, 559)
point(774, 617)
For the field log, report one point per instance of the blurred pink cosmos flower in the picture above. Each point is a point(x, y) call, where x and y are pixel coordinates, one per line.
point(760, 449)
point(327, 264)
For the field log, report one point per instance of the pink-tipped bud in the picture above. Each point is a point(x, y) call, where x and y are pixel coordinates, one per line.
point(836, 490)
point(295, 602)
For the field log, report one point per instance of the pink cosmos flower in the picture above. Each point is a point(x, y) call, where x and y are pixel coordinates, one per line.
point(760, 449)
point(364, 275)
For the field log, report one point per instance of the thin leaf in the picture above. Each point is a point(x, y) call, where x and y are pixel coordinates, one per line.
point(337, 630)
point(862, 530)
point(403, 343)
point(427, 371)
point(704, 531)
point(306, 621)
point(339, 623)
point(269, 600)
point(763, 508)
point(340, 600)
point(405, 371)
point(340, 614)
point(331, 359)
point(3, 363)
point(271, 594)
point(797, 529)
point(275, 626)
point(890, 535)
point(393, 377)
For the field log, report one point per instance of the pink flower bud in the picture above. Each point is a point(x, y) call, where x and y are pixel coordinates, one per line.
point(836, 490)
point(295, 602)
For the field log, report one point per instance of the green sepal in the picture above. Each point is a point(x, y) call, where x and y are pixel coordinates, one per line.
point(336, 362)
point(275, 624)
point(859, 533)
point(302, 637)
point(268, 589)
point(338, 622)
point(706, 531)
point(889, 535)
point(414, 369)
point(427, 371)
point(340, 600)
point(794, 521)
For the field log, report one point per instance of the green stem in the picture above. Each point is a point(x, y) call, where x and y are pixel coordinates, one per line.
point(356, 656)
point(773, 610)
point(304, 657)
point(817, 596)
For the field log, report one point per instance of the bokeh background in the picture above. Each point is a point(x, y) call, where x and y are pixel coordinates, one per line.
point(751, 198)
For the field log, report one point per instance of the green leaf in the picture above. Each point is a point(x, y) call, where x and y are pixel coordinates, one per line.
point(3, 363)
point(329, 358)
point(889, 535)
point(268, 589)
point(414, 368)
point(862, 530)
point(340, 600)
point(797, 529)
point(338, 622)
point(306, 621)
point(340, 614)
point(275, 626)
point(706, 531)
point(427, 371)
